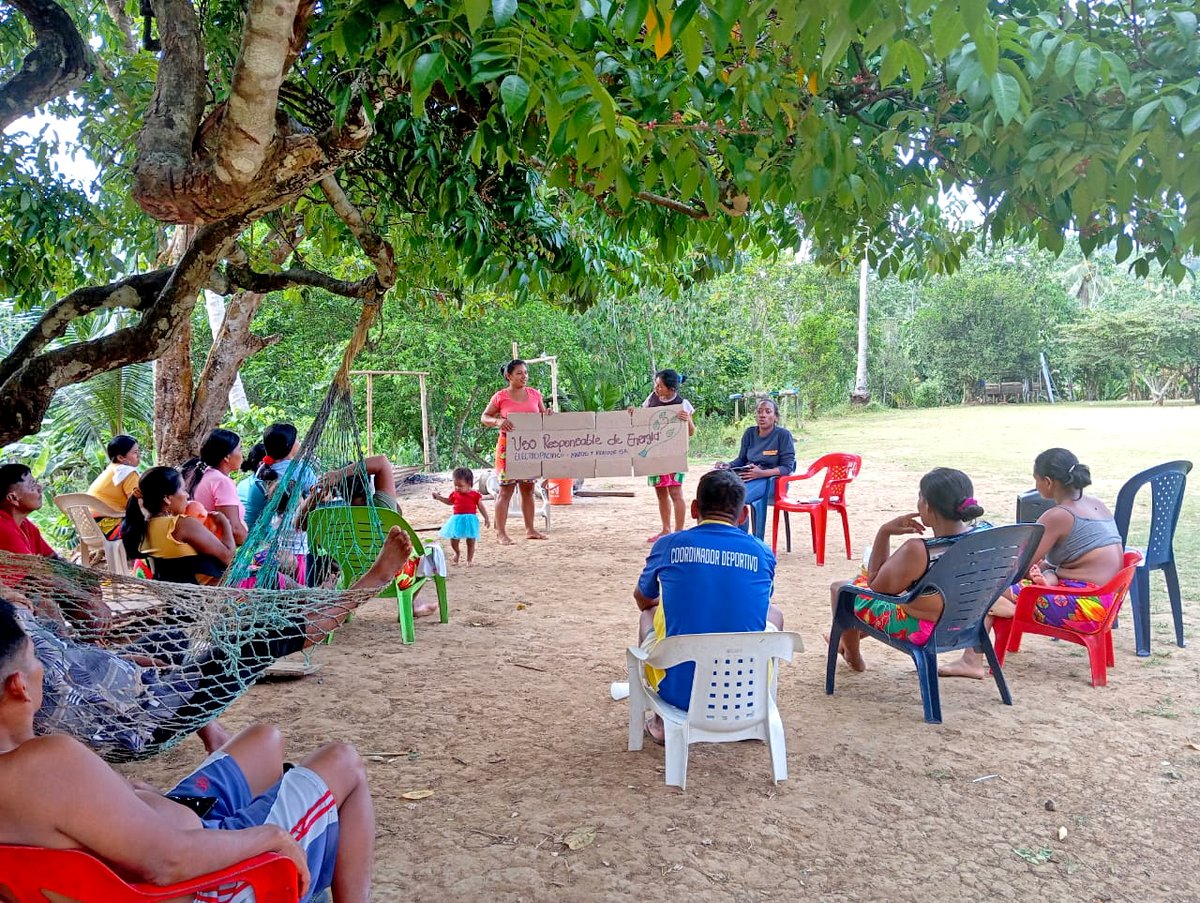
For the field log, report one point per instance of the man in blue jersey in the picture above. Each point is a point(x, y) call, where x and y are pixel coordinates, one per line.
point(713, 578)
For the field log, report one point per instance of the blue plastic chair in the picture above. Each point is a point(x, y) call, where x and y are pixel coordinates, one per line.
point(1167, 483)
point(970, 576)
point(757, 522)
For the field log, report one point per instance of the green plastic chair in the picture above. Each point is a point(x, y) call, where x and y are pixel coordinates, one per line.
point(352, 536)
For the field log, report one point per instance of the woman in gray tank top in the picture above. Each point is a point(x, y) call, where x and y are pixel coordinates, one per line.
point(1080, 549)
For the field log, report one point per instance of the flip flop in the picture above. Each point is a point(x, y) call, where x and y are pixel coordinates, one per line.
point(660, 741)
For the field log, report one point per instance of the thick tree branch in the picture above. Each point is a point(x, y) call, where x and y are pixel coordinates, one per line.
point(304, 14)
point(193, 193)
point(187, 409)
point(367, 289)
point(164, 145)
point(232, 345)
point(26, 391)
point(116, 9)
point(135, 293)
point(59, 63)
point(247, 126)
point(378, 250)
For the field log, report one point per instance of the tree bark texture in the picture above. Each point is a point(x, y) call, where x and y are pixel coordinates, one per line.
point(34, 371)
point(247, 125)
point(116, 9)
point(173, 399)
point(220, 173)
point(59, 63)
point(246, 156)
point(214, 306)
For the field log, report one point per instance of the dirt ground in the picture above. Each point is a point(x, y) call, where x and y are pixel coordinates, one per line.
point(504, 713)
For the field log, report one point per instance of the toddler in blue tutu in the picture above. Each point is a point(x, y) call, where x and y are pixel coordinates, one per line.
point(464, 522)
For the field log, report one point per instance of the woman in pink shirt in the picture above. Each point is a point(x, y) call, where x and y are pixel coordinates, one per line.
point(206, 479)
point(521, 399)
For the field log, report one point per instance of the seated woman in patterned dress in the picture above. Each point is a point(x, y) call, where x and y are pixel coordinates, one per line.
point(1081, 548)
point(946, 507)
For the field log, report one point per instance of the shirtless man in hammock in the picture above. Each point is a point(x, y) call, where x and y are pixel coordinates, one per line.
point(56, 793)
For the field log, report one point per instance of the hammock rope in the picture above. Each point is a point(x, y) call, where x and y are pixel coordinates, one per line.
point(177, 655)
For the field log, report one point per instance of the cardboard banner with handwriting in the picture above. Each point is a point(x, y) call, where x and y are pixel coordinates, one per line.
point(597, 444)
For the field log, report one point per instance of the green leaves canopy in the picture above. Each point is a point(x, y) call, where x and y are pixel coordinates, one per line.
point(569, 147)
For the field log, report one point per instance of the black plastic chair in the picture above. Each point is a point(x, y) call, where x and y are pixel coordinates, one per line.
point(1167, 483)
point(970, 576)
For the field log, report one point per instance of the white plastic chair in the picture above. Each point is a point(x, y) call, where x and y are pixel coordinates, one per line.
point(733, 694)
point(79, 506)
point(541, 498)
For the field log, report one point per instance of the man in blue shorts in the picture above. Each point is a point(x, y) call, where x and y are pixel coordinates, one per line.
point(56, 793)
point(713, 578)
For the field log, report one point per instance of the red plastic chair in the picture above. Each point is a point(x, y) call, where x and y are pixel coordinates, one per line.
point(839, 469)
point(1099, 643)
point(36, 874)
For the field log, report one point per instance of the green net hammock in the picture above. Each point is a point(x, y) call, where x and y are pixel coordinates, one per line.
point(173, 657)
point(177, 655)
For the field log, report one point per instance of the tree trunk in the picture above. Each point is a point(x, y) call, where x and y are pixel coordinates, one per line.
point(214, 306)
point(224, 170)
point(183, 421)
point(173, 400)
point(861, 394)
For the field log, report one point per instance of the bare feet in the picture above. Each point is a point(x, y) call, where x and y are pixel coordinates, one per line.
point(426, 608)
point(657, 536)
point(470, 563)
point(503, 539)
point(970, 665)
point(397, 548)
point(213, 735)
point(454, 560)
point(534, 534)
point(853, 658)
point(655, 729)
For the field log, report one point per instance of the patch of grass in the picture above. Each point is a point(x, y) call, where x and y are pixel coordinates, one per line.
point(996, 445)
point(1162, 709)
point(1040, 856)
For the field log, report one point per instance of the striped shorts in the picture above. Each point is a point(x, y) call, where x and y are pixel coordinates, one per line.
point(299, 802)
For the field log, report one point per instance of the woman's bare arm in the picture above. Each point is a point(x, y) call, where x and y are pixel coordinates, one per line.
point(236, 522)
point(198, 536)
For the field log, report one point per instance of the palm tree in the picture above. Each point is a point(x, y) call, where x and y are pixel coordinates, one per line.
point(120, 401)
point(89, 413)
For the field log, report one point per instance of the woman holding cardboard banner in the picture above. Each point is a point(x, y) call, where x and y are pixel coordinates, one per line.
point(669, 486)
point(517, 398)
